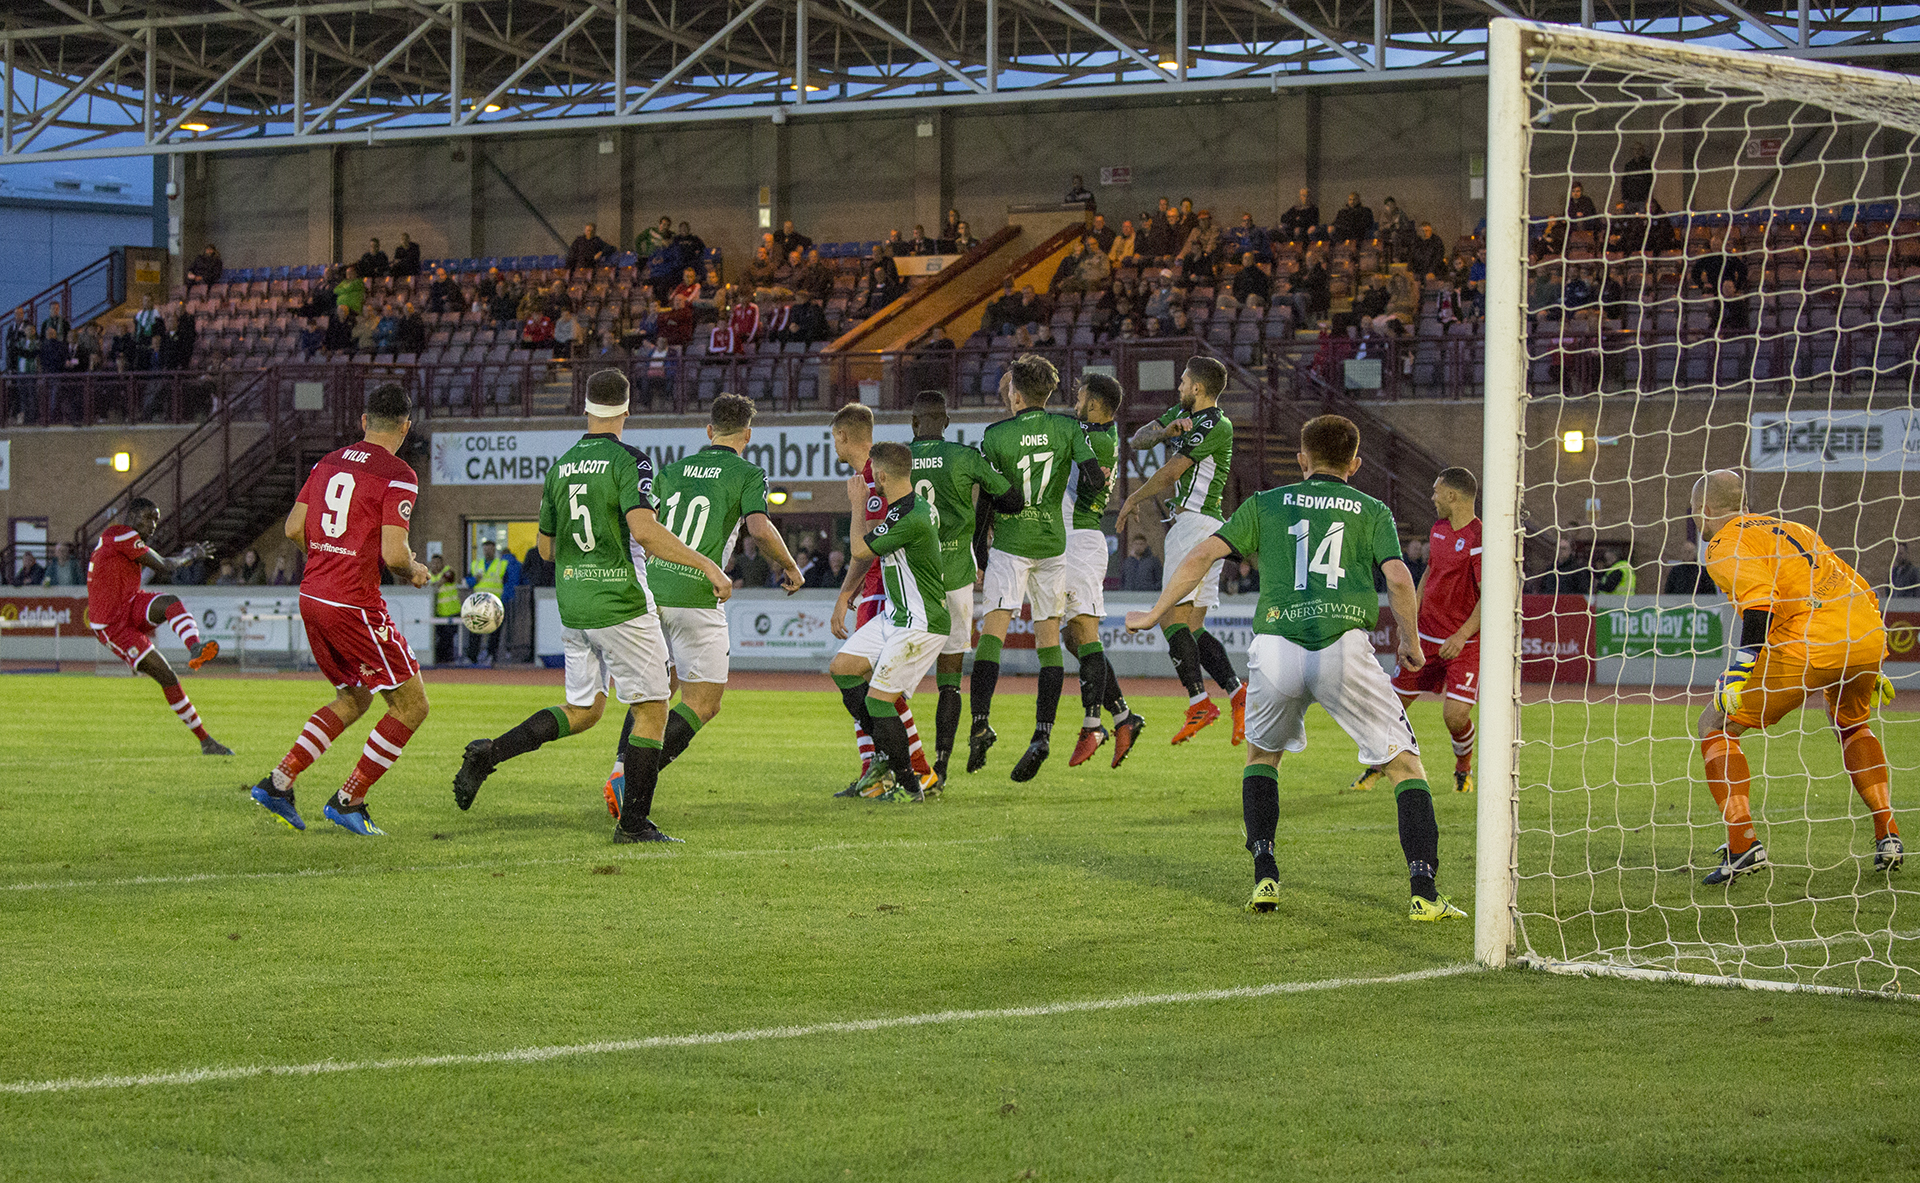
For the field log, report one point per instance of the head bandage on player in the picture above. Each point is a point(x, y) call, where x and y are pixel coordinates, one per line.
point(608, 395)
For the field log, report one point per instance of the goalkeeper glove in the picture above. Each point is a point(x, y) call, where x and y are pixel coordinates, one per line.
point(1732, 684)
point(1882, 690)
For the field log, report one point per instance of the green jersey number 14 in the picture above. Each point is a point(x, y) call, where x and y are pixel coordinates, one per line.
point(1326, 560)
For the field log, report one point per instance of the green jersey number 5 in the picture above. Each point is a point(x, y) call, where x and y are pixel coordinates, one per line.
point(579, 513)
point(1326, 559)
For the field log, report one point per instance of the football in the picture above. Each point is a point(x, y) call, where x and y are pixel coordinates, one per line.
point(482, 612)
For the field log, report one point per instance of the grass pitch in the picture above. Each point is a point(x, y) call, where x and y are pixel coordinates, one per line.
point(156, 922)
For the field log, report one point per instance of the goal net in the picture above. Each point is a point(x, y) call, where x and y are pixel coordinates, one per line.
point(1698, 260)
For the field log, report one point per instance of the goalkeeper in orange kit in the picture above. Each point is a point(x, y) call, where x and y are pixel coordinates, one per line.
point(1808, 622)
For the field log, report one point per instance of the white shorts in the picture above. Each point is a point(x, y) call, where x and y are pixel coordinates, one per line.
point(1188, 531)
point(1085, 586)
point(960, 608)
point(1282, 678)
point(900, 656)
point(631, 657)
point(697, 642)
point(1011, 578)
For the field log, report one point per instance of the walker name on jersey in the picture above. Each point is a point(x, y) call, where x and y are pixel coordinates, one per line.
point(524, 457)
point(1308, 501)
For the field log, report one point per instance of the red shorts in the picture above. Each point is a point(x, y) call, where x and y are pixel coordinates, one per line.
point(130, 637)
point(357, 646)
point(1458, 679)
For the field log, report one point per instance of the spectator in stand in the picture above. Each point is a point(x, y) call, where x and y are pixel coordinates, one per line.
point(1077, 193)
point(1186, 221)
point(29, 572)
point(1396, 231)
point(1248, 238)
point(1903, 578)
point(648, 241)
point(206, 267)
point(1140, 570)
point(374, 262)
point(1163, 239)
point(1159, 304)
point(949, 232)
point(148, 330)
point(351, 292)
point(1207, 236)
point(228, 577)
point(1369, 305)
point(1102, 232)
point(1717, 276)
point(22, 342)
point(313, 339)
point(663, 270)
point(320, 298)
point(411, 336)
point(1426, 255)
point(1570, 575)
point(920, 244)
point(1092, 270)
point(443, 294)
point(1311, 289)
point(894, 246)
point(588, 250)
point(963, 239)
point(790, 240)
point(503, 300)
point(1685, 575)
point(691, 247)
point(1581, 216)
point(674, 326)
point(815, 278)
point(176, 351)
point(536, 332)
point(1178, 325)
point(749, 569)
point(338, 339)
point(252, 571)
point(1195, 261)
point(66, 570)
point(1353, 222)
point(1252, 286)
point(406, 259)
point(1003, 311)
point(1301, 220)
point(54, 354)
point(386, 331)
point(88, 355)
point(569, 337)
point(761, 272)
point(1239, 579)
point(284, 575)
point(1636, 180)
point(806, 321)
point(366, 334)
point(689, 288)
point(882, 286)
point(1124, 250)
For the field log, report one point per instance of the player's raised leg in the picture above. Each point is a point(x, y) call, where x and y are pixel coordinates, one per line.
point(155, 666)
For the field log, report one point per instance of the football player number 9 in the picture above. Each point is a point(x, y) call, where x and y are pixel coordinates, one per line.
point(339, 498)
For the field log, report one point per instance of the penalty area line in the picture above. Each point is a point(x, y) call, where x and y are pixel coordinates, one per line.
point(419, 868)
point(536, 1055)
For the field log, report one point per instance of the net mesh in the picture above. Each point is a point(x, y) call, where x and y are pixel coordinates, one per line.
point(1743, 294)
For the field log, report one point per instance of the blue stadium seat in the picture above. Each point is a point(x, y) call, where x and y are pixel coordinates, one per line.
point(282, 273)
point(548, 261)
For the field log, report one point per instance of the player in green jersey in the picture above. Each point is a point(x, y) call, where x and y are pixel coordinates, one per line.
point(1319, 543)
point(1095, 403)
point(886, 660)
point(1201, 438)
point(950, 477)
point(598, 495)
point(1034, 448)
point(703, 497)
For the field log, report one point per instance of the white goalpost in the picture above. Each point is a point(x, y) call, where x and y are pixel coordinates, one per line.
point(1743, 295)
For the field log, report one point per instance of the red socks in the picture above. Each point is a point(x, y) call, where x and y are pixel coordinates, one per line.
point(315, 738)
point(1463, 748)
point(183, 625)
point(183, 707)
point(383, 747)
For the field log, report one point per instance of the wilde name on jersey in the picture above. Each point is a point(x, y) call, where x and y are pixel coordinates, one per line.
point(356, 457)
point(1308, 502)
point(582, 468)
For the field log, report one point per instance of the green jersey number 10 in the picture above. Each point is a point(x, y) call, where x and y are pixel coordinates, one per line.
point(688, 527)
point(1326, 559)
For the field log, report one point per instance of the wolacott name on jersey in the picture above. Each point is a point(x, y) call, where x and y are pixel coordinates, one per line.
point(1314, 501)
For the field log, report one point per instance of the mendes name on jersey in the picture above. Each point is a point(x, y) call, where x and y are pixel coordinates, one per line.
point(583, 508)
point(909, 550)
point(1208, 442)
point(1035, 450)
point(702, 498)
point(944, 476)
point(1319, 542)
point(1085, 504)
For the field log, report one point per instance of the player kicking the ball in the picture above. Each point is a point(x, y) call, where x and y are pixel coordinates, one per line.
point(364, 496)
point(123, 617)
point(885, 661)
point(1085, 601)
point(1200, 437)
point(1808, 622)
point(1449, 622)
point(1319, 543)
point(704, 497)
point(598, 500)
point(1035, 449)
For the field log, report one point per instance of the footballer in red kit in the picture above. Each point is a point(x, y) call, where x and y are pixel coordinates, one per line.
point(352, 516)
point(1449, 622)
point(123, 617)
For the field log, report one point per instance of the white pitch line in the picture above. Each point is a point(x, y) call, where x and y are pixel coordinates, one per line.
point(330, 872)
point(535, 1055)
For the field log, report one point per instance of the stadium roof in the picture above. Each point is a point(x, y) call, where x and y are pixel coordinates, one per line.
point(127, 77)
